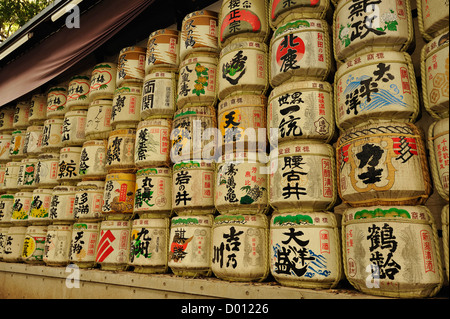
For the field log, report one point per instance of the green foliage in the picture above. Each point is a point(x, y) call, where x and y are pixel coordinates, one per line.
point(15, 13)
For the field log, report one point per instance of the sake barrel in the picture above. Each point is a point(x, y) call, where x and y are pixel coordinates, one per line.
point(98, 125)
point(27, 170)
point(113, 248)
point(241, 184)
point(439, 156)
point(149, 245)
point(57, 244)
point(73, 132)
point(360, 28)
point(14, 244)
point(17, 144)
point(281, 12)
point(3, 236)
point(376, 87)
point(382, 164)
point(93, 159)
point(56, 102)
point(83, 245)
point(240, 21)
point(301, 110)
point(152, 146)
point(434, 66)
point(103, 81)
point(302, 177)
point(11, 175)
point(118, 197)
point(40, 206)
point(126, 112)
point(46, 174)
point(243, 69)
point(32, 145)
point(392, 251)
point(433, 18)
point(38, 109)
point(305, 249)
point(52, 136)
point(131, 65)
point(242, 122)
point(199, 33)
point(158, 94)
point(193, 187)
point(34, 244)
point(69, 164)
point(120, 150)
point(5, 142)
point(6, 205)
point(445, 238)
point(240, 247)
point(300, 50)
point(2, 177)
point(153, 196)
point(197, 80)
point(190, 245)
point(62, 204)
point(191, 134)
point(163, 49)
point(21, 114)
point(78, 92)
point(21, 207)
point(7, 119)
point(88, 200)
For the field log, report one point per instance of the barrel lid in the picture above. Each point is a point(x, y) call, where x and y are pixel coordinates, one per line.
point(106, 102)
point(58, 121)
point(417, 213)
point(242, 45)
point(47, 156)
point(105, 65)
point(204, 13)
point(160, 171)
point(163, 32)
point(305, 147)
point(258, 220)
point(438, 43)
point(321, 219)
point(64, 189)
point(79, 77)
point(154, 122)
point(193, 220)
point(194, 164)
point(56, 89)
point(133, 49)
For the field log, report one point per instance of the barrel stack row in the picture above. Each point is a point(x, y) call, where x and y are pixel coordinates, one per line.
point(433, 21)
point(216, 118)
point(382, 166)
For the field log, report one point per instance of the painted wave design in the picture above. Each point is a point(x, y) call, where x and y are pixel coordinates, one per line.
point(380, 99)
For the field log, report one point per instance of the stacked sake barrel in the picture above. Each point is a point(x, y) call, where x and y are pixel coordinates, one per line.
point(434, 59)
point(304, 242)
point(12, 233)
point(113, 246)
point(89, 189)
point(153, 196)
point(389, 239)
point(240, 232)
point(433, 18)
point(193, 172)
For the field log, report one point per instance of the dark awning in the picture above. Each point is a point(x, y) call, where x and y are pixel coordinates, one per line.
point(66, 47)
